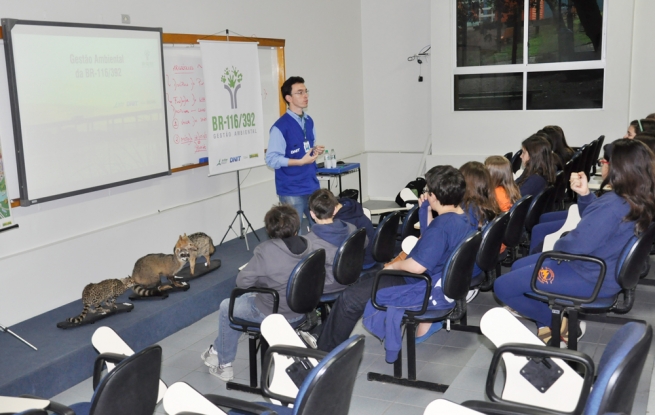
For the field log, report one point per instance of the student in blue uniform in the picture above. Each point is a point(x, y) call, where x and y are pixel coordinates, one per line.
point(445, 190)
point(538, 166)
point(292, 149)
point(349, 210)
point(607, 223)
point(328, 233)
point(552, 221)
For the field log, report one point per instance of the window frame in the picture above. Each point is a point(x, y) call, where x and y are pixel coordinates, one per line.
point(525, 67)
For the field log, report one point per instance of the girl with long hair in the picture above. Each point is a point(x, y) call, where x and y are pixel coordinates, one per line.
point(608, 222)
point(538, 166)
point(558, 142)
point(480, 199)
point(506, 191)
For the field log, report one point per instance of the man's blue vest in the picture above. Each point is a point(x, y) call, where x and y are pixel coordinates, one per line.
point(296, 180)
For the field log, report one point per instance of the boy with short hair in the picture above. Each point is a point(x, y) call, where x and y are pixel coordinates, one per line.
point(327, 233)
point(445, 190)
point(270, 267)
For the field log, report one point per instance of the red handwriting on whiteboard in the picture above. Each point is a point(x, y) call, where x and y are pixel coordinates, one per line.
point(187, 112)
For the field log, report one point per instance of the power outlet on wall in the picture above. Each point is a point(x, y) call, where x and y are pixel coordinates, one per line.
point(125, 18)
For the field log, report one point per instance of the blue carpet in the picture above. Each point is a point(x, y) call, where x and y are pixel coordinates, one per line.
point(65, 357)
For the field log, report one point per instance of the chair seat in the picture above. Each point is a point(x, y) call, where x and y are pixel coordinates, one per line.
point(599, 304)
point(254, 329)
point(433, 315)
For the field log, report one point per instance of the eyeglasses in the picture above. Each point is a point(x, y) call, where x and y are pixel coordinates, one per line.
point(600, 162)
point(301, 92)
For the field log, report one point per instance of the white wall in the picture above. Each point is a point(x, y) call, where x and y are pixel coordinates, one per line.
point(63, 245)
point(396, 105)
point(460, 136)
point(642, 96)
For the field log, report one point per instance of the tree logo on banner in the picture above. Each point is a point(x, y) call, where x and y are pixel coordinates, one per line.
point(232, 82)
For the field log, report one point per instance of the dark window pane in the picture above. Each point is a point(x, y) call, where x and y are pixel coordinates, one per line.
point(489, 32)
point(489, 92)
point(565, 30)
point(565, 89)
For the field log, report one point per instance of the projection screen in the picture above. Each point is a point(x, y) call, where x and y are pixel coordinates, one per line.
point(88, 106)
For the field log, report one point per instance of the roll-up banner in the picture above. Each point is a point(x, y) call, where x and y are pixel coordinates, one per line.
point(234, 106)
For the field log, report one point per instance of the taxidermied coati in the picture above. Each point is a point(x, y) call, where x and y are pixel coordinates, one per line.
point(105, 291)
point(149, 269)
point(205, 247)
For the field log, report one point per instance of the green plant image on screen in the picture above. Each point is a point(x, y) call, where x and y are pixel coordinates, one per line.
point(4, 201)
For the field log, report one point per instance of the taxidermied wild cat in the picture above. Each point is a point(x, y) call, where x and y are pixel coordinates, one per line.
point(105, 291)
point(149, 269)
point(205, 247)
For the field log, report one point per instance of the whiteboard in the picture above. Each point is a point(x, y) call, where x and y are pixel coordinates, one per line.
point(185, 100)
point(94, 116)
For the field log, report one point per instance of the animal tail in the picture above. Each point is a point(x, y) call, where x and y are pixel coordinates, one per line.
point(213, 248)
point(80, 318)
point(143, 291)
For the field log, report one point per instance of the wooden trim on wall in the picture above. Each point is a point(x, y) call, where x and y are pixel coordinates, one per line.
point(191, 39)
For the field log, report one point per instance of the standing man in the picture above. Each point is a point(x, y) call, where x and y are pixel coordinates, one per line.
point(292, 150)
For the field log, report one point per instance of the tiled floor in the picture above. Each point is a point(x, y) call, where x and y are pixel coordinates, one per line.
point(456, 358)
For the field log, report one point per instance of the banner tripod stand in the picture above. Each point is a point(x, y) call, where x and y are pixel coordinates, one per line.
point(6, 330)
point(242, 217)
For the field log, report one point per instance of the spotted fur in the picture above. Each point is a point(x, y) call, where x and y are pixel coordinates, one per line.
point(106, 292)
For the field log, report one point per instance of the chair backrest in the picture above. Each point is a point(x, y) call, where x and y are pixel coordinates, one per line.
point(619, 370)
point(492, 239)
point(516, 221)
point(349, 259)
point(458, 271)
point(516, 161)
point(306, 283)
point(508, 156)
point(384, 241)
point(578, 166)
point(589, 157)
point(328, 388)
point(634, 255)
point(132, 387)
point(407, 228)
point(537, 208)
point(558, 195)
point(596, 155)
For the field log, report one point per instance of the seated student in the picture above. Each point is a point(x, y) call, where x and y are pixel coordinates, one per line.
point(506, 191)
point(446, 188)
point(538, 166)
point(607, 223)
point(558, 143)
point(648, 139)
point(270, 267)
point(552, 221)
point(351, 211)
point(327, 233)
point(645, 125)
point(479, 203)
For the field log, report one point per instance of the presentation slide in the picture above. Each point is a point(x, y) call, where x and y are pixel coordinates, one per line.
point(91, 106)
